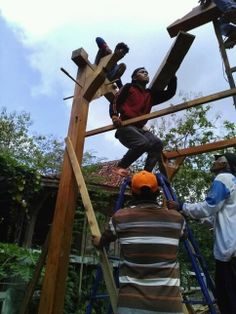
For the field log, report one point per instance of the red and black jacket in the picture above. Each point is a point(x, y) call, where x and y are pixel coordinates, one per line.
point(133, 101)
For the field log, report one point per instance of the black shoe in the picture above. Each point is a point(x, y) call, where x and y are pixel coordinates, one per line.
point(231, 40)
point(230, 16)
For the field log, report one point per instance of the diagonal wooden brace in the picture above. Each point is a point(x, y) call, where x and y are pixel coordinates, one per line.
point(94, 228)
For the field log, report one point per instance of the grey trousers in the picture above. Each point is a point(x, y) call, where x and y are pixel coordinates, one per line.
point(139, 141)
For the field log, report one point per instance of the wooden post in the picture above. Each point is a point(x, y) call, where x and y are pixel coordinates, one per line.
point(91, 78)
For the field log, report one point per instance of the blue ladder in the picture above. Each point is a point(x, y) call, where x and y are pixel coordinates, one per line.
point(94, 292)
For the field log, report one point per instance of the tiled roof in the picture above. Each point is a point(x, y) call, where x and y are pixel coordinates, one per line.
point(102, 177)
point(108, 178)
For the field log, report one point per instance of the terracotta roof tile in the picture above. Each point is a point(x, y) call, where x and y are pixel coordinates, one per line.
point(108, 177)
point(103, 177)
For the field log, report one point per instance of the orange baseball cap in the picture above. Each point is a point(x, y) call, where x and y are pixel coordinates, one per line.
point(142, 179)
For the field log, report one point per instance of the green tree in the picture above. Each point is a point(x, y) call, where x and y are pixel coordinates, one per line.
point(193, 127)
point(196, 126)
point(24, 157)
point(42, 153)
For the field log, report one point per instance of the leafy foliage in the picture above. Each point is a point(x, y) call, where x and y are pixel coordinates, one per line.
point(193, 128)
point(23, 157)
point(17, 262)
point(23, 183)
point(39, 152)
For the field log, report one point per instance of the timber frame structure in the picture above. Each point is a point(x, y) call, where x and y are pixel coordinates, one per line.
point(92, 83)
point(201, 15)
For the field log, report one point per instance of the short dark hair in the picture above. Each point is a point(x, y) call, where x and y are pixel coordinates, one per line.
point(230, 162)
point(145, 194)
point(231, 158)
point(136, 71)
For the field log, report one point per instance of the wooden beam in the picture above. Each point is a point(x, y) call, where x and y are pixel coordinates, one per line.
point(94, 228)
point(205, 148)
point(53, 291)
point(95, 81)
point(198, 16)
point(180, 154)
point(80, 58)
point(172, 61)
point(169, 110)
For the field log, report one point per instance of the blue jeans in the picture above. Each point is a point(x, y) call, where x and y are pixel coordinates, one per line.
point(225, 5)
point(225, 27)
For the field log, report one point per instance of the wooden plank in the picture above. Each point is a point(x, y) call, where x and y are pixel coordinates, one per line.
point(54, 285)
point(205, 148)
point(180, 154)
point(94, 228)
point(169, 110)
point(195, 18)
point(172, 61)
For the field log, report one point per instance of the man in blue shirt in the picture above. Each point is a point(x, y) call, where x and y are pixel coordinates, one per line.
point(219, 207)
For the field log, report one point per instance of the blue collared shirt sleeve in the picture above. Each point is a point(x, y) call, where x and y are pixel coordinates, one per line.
point(214, 201)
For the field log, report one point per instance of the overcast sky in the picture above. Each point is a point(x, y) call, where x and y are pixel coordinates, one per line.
point(38, 37)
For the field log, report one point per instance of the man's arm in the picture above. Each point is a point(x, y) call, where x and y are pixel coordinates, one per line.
point(108, 236)
point(164, 95)
point(213, 202)
point(114, 107)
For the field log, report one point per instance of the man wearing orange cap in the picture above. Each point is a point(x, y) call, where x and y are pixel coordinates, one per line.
point(149, 239)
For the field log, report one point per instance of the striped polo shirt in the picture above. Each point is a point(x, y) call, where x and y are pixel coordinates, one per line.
point(149, 270)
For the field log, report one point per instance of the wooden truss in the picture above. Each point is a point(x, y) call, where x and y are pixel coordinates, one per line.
point(91, 83)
